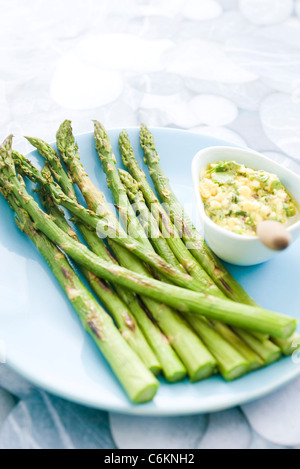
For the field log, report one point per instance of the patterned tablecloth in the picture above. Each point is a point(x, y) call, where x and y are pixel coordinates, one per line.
point(227, 68)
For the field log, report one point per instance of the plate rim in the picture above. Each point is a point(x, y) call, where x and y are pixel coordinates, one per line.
point(142, 410)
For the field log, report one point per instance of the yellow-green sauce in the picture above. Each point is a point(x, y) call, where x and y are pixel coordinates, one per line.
point(237, 198)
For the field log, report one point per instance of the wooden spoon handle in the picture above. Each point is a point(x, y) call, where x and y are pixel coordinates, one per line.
point(273, 235)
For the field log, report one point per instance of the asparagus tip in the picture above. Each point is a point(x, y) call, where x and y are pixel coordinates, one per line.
point(65, 138)
point(42, 146)
point(146, 139)
point(126, 149)
point(101, 138)
point(7, 143)
point(131, 185)
point(30, 139)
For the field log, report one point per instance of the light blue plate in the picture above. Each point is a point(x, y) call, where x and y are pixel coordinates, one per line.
point(44, 339)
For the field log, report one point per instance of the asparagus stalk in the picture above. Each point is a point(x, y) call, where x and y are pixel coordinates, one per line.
point(253, 359)
point(288, 346)
point(147, 220)
point(108, 160)
point(67, 146)
point(267, 350)
point(241, 315)
point(118, 185)
point(127, 214)
point(168, 230)
point(162, 219)
point(231, 363)
point(55, 165)
point(172, 367)
point(139, 384)
point(192, 238)
point(198, 361)
point(108, 226)
point(233, 313)
point(203, 362)
point(117, 308)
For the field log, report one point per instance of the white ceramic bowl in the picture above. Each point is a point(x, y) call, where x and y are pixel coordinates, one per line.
point(232, 247)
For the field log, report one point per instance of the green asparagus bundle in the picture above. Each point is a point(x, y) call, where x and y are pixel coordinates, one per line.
point(145, 193)
point(188, 279)
point(126, 322)
point(107, 226)
point(192, 238)
point(137, 381)
point(198, 361)
point(288, 346)
point(267, 350)
point(172, 367)
point(167, 228)
point(241, 315)
point(231, 363)
point(125, 260)
point(147, 220)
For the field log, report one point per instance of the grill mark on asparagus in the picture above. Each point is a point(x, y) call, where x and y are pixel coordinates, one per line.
point(225, 284)
point(110, 255)
point(103, 285)
point(95, 328)
point(128, 321)
point(66, 273)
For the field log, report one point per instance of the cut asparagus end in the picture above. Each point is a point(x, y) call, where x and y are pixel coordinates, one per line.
point(173, 368)
point(240, 346)
point(288, 330)
point(197, 359)
point(122, 315)
point(268, 351)
point(256, 365)
point(135, 378)
point(260, 336)
point(236, 372)
point(146, 394)
point(155, 369)
point(288, 346)
point(175, 376)
point(204, 372)
point(273, 357)
point(199, 249)
point(230, 362)
point(277, 325)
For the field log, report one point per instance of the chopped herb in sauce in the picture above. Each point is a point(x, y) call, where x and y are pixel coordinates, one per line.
point(238, 198)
